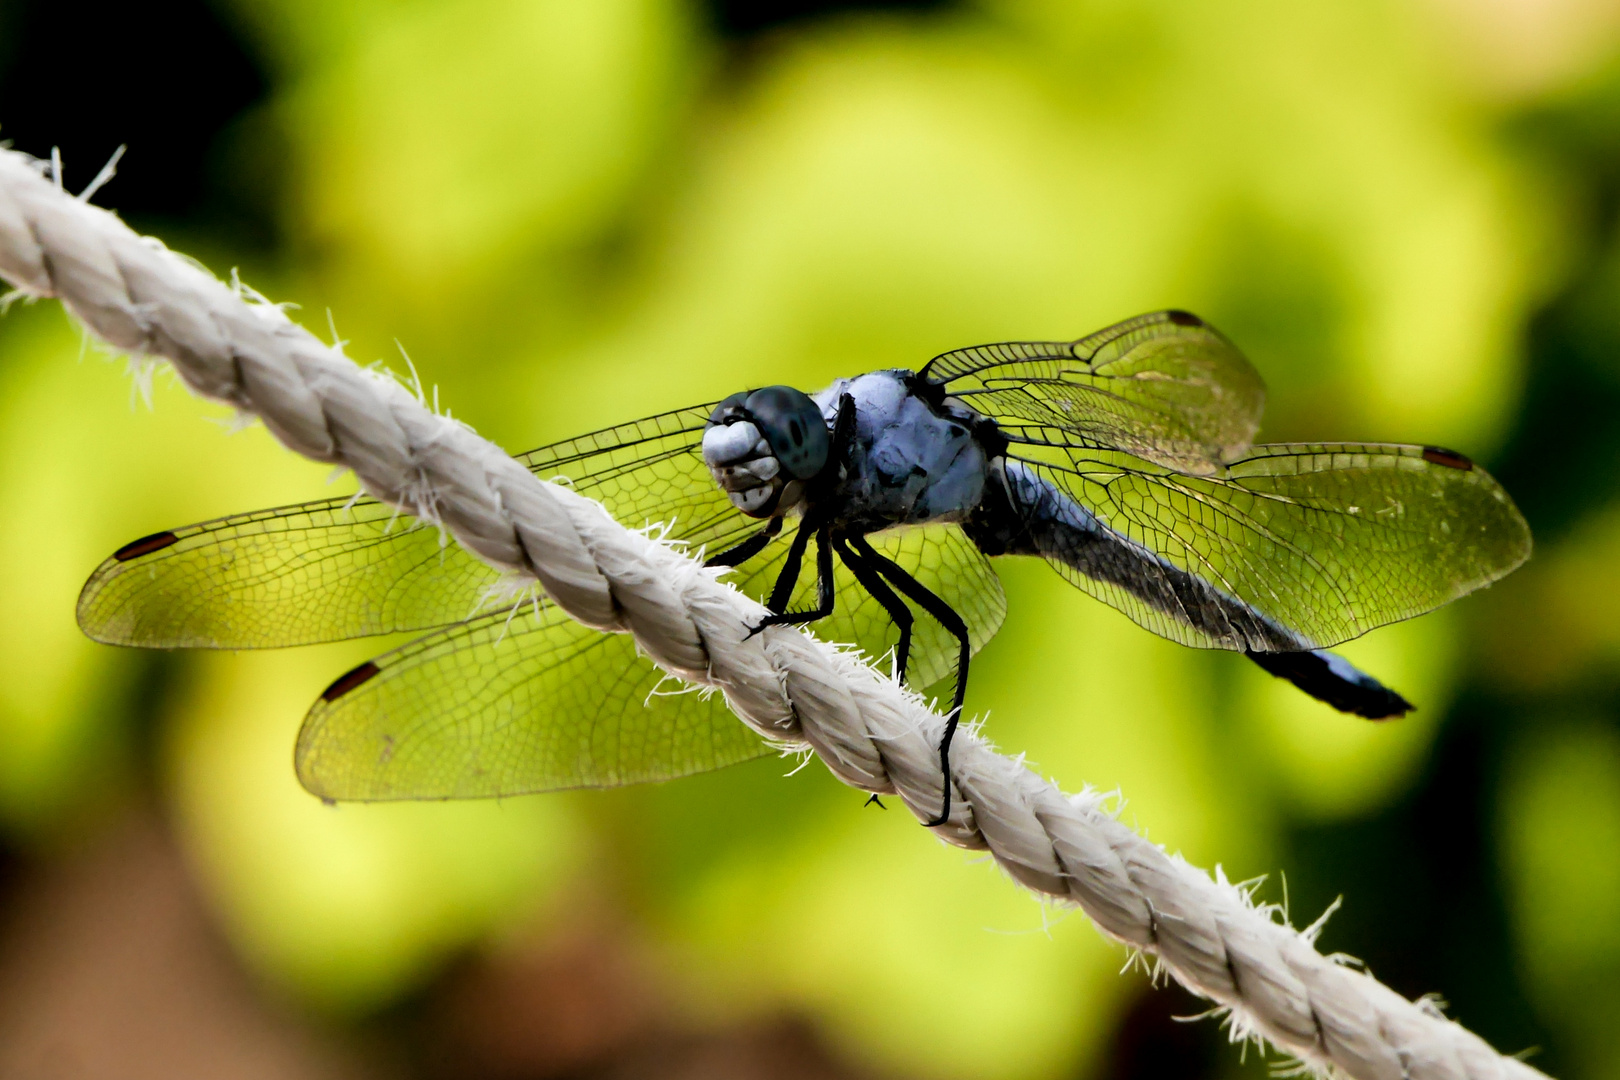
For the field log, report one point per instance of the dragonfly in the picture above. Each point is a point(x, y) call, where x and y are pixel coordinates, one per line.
point(1124, 459)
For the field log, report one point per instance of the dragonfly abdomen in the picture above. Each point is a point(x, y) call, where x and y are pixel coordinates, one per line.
point(1024, 514)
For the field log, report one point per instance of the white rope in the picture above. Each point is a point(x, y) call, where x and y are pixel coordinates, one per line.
point(231, 346)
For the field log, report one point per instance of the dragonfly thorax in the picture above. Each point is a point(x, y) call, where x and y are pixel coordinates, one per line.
point(910, 460)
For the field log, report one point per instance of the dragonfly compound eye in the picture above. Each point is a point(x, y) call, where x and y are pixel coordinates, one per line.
point(794, 427)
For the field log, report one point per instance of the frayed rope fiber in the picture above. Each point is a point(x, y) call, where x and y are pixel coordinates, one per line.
point(229, 345)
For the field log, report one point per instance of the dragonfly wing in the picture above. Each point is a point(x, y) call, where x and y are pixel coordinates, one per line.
point(321, 571)
point(650, 473)
point(527, 700)
point(507, 704)
point(335, 569)
point(1293, 547)
point(1165, 387)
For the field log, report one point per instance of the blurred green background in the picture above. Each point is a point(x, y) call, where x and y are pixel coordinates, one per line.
point(571, 214)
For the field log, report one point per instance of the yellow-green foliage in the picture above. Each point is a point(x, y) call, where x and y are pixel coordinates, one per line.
point(573, 214)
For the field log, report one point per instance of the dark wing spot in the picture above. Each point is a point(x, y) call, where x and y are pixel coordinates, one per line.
point(1183, 318)
point(145, 546)
point(1439, 455)
point(349, 680)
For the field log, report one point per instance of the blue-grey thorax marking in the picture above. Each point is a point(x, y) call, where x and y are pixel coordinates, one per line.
point(911, 462)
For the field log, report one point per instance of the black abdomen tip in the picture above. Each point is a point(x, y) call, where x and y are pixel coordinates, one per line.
point(1332, 680)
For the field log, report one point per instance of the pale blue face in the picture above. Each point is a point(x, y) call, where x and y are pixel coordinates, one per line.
point(763, 445)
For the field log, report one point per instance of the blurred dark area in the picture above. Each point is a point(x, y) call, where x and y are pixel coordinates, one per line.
point(1447, 924)
point(742, 18)
point(167, 80)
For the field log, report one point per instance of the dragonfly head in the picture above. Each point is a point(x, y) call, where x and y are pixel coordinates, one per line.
point(762, 445)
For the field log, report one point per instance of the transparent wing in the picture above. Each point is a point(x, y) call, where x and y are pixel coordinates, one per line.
point(1293, 546)
point(336, 569)
point(529, 701)
point(511, 703)
point(1164, 387)
point(322, 571)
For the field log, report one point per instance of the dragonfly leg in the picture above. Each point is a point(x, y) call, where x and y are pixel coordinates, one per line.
point(953, 623)
point(872, 582)
point(783, 593)
point(741, 553)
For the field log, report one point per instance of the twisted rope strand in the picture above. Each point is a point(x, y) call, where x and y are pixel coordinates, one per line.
point(141, 297)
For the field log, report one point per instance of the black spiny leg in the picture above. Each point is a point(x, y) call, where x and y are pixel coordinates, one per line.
point(783, 593)
point(741, 553)
point(953, 623)
point(872, 581)
point(843, 433)
point(939, 609)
